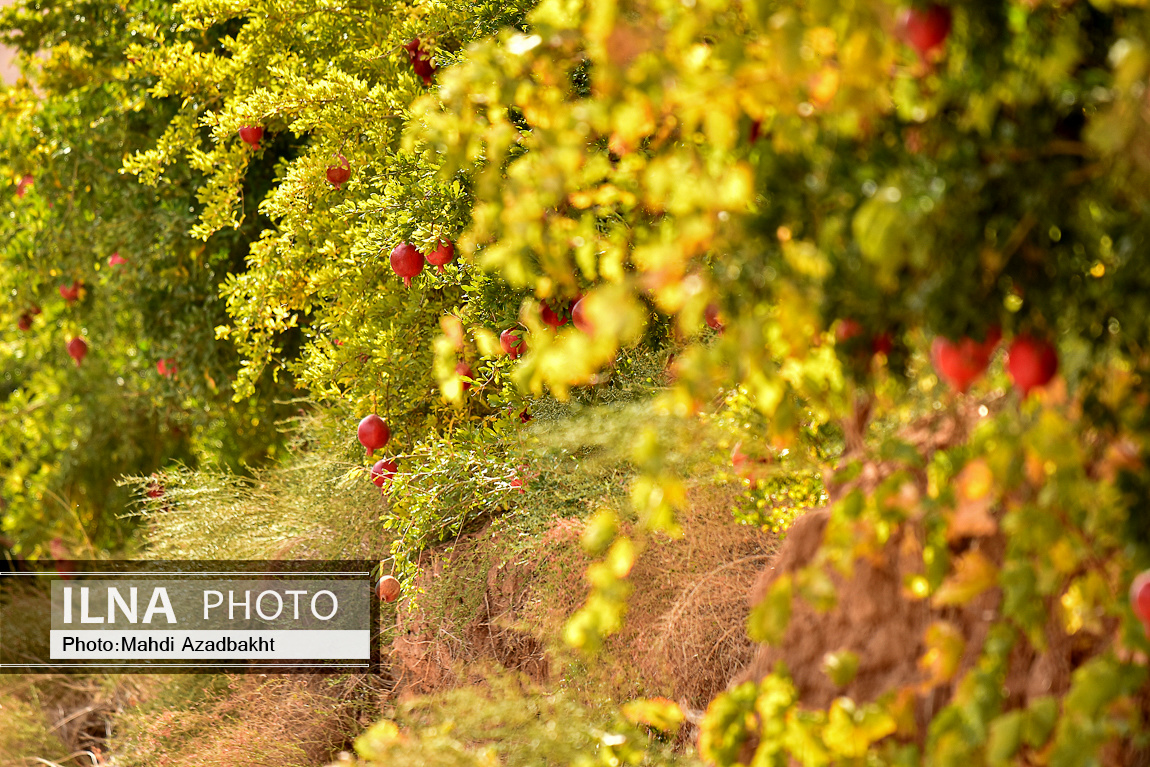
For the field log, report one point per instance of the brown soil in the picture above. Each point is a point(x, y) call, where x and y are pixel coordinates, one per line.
point(685, 630)
point(878, 620)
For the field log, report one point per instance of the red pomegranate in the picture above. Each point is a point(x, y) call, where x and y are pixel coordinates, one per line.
point(925, 29)
point(960, 362)
point(166, 367)
point(553, 318)
point(116, 259)
point(22, 186)
point(337, 175)
point(70, 294)
point(511, 341)
point(251, 135)
point(388, 589)
point(711, 315)
point(420, 61)
point(77, 350)
point(463, 370)
point(443, 255)
point(579, 317)
point(1140, 598)
point(406, 261)
point(882, 344)
point(373, 433)
point(25, 321)
point(1031, 362)
point(847, 329)
point(383, 471)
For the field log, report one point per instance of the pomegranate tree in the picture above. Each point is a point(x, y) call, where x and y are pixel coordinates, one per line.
point(511, 341)
point(388, 589)
point(77, 350)
point(251, 135)
point(406, 261)
point(373, 433)
point(337, 175)
point(443, 255)
point(1031, 362)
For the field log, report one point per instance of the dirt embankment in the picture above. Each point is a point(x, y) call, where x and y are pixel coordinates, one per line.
point(488, 599)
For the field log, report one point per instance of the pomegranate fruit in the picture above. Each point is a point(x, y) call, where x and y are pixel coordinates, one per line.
point(337, 175)
point(711, 315)
point(420, 60)
point(443, 255)
point(251, 135)
point(388, 589)
point(961, 362)
point(511, 341)
point(116, 259)
point(553, 318)
point(579, 317)
point(373, 433)
point(882, 344)
point(1031, 362)
point(463, 370)
point(1140, 598)
point(77, 350)
point(70, 294)
point(166, 367)
point(406, 261)
point(23, 184)
point(925, 29)
point(383, 471)
point(847, 329)
point(25, 321)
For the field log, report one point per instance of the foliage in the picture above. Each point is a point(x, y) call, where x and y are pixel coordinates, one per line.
point(508, 722)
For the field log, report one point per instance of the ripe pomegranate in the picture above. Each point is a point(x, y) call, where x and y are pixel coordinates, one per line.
point(388, 589)
point(337, 175)
point(443, 255)
point(711, 315)
point(511, 341)
point(77, 349)
point(116, 259)
point(25, 321)
point(847, 329)
point(406, 261)
point(463, 370)
point(1140, 598)
point(383, 471)
point(1031, 362)
point(420, 61)
point(251, 135)
point(23, 184)
point(373, 433)
point(553, 318)
point(925, 29)
point(579, 317)
point(882, 344)
point(166, 367)
point(960, 362)
point(70, 294)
